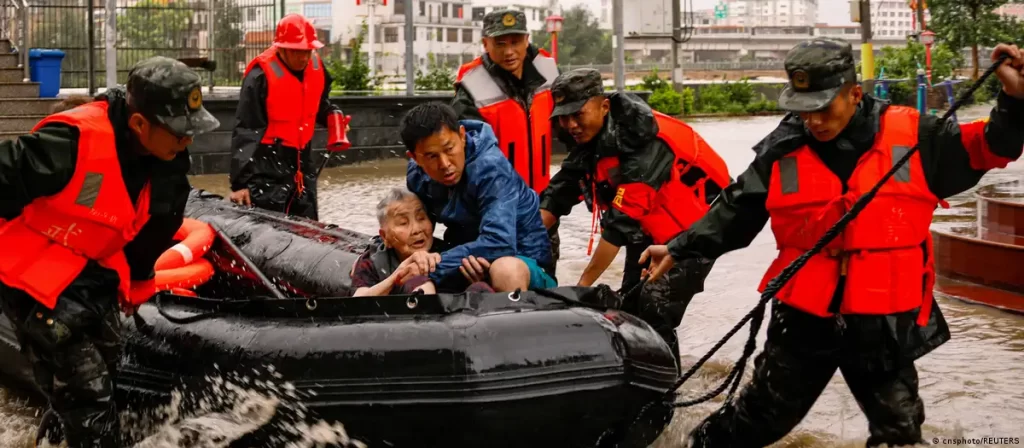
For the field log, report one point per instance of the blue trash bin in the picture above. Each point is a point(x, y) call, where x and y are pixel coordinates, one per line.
point(44, 68)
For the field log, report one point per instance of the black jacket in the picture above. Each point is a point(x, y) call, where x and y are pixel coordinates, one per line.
point(518, 89)
point(630, 133)
point(41, 164)
point(740, 214)
point(262, 167)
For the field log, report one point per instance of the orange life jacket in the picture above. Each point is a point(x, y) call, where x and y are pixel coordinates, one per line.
point(680, 201)
point(885, 253)
point(92, 218)
point(292, 105)
point(523, 131)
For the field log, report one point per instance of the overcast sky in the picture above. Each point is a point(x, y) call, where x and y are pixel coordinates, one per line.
point(833, 12)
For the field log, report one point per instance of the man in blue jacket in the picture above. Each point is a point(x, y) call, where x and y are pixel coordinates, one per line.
point(491, 217)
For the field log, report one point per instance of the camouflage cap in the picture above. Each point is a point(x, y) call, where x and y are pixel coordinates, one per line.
point(817, 70)
point(502, 22)
point(572, 89)
point(167, 91)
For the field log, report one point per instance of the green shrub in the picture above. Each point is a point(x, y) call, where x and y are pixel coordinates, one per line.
point(667, 101)
point(652, 82)
point(713, 98)
point(762, 105)
point(688, 101)
point(735, 108)
point(439, 76)
point(740, 92)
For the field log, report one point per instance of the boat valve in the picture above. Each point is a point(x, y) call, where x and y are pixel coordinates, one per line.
point(311, 304)
point(412, 302)
point(514, 295)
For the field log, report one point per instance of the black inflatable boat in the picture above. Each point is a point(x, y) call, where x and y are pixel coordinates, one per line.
point(538, 368)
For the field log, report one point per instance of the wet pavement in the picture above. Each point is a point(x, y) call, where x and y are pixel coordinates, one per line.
point(972, 386)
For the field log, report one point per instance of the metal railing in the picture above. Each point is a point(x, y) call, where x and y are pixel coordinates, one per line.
point(14, 17)
point(696, 66)
point(231, 32)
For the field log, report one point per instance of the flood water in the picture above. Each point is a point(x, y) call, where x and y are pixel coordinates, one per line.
point(973, 386)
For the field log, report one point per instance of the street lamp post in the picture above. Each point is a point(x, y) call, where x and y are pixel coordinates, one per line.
point(554, 26)
point(928, 38)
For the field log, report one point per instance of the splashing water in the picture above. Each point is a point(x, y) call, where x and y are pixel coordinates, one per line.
point(224, 408)
point(254, 407)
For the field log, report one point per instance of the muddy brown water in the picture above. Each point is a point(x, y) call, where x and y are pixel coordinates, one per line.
point(973, 386)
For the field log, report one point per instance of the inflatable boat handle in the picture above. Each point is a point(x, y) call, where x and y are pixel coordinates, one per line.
point(248, 264)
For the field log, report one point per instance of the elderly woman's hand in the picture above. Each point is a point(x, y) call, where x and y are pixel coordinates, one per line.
point(419, 263)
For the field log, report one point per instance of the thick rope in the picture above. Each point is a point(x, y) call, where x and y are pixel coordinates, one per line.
point(776, 284)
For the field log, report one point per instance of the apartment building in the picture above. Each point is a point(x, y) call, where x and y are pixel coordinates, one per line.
point(891, 18)
point(442, 28)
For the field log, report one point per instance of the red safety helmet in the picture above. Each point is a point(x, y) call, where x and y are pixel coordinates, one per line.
point(294, 32)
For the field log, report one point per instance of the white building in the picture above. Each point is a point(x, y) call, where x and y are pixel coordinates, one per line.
point(773, 12)
point(443, 28)
point(893, 19)
point(737, 13)
point(317, 11)
point(654, 17)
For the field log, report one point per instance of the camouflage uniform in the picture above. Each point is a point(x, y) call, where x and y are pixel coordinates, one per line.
point(75, 347)
point(629, 133)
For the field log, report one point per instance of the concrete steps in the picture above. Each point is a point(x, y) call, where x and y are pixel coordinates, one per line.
point(20, 105)
point(17, 123)
point(8, 60)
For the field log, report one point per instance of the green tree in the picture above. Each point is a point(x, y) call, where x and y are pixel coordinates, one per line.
point(438, 76)
point(581, 41)
point(355, 75)
point(153, 25)
point(971, 23)
point(903, 63)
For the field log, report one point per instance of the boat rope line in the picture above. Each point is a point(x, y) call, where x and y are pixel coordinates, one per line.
point(756, 315)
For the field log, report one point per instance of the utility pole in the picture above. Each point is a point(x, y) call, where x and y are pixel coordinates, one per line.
point(410, 36)
point(619, 46)
point(677, 70)
point(867, 53)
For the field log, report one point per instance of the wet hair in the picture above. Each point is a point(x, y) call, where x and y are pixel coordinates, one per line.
point(426, 120)
point(71, 102)
point(396, 194)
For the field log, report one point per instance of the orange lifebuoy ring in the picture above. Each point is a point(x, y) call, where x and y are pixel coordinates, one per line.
point(195, 274)
point(196, 238)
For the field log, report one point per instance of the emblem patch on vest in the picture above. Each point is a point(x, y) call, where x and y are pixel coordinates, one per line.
point(90, 190)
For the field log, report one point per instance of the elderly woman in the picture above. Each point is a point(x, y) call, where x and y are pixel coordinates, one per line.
point(407, 253)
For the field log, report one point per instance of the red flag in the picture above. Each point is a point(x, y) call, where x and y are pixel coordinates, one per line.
point(460, 12)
